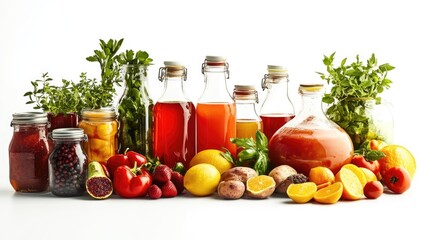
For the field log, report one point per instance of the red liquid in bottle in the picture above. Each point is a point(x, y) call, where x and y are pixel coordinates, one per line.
point(273, 122)
point(174, 132)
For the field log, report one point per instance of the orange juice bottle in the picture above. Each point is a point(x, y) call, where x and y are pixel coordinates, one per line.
point(216, 111)
point(248, 121)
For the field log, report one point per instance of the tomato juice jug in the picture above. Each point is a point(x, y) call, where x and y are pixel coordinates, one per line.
point(310, 139)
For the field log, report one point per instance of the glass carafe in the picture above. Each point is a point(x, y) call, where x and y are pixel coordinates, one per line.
point(277, 108)
point(174, 118)
point(311, 139)
point(216, 111)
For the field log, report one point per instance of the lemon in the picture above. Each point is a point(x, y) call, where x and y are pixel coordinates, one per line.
point(201, 179)
point(213, 157)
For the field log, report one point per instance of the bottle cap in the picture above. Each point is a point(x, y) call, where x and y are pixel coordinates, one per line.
point(245, 92)
point(277, 70)
point(310, 88)
point(215, 59)
point(173, 64)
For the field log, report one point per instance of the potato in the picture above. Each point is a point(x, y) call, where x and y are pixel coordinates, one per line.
point(231, 189)
point(280, 173)
point(239, 174)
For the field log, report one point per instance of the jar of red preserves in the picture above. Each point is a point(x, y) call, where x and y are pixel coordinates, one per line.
point(29, 152)
point(310, 139)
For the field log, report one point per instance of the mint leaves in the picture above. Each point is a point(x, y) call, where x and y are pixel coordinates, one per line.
point(352, 86)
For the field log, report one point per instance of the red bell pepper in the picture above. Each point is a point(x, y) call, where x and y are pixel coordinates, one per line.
point(131, 182)
point(129, 159)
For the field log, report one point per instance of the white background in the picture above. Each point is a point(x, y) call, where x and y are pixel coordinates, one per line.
point(56, 36)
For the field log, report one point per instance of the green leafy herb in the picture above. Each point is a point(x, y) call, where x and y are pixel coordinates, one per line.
point(54, 99)
point(352, 86)
point(368, 153)
point(87, 93)
point(135, 106)
point(100, 94)
point(253, 153)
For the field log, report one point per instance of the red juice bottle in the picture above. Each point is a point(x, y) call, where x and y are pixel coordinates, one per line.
point(174, 119)
point(277, 108)
point(216, 110)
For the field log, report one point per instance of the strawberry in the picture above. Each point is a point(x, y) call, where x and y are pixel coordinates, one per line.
point(154, 192)
point(162, 173)
point(169, 190)
point(177, 179)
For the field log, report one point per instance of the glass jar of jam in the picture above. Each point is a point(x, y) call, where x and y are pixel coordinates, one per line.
point(101, 127)
point(68, 162)
point(310, 139)
point(29, 152)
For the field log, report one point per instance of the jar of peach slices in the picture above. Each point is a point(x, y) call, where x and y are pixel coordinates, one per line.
point(101, 127)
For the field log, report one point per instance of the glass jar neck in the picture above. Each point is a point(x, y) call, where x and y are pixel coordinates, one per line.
point(135, 77)
point(215, 85)
point(246, 109)
point(312, 105)
point(173, 90)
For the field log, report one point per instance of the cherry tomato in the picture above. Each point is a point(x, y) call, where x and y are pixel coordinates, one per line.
point(360, 161)
point(397, 179)
point(373, 189)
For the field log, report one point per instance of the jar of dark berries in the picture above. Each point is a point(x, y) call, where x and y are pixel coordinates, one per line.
point(29, 152)
point(68, 162)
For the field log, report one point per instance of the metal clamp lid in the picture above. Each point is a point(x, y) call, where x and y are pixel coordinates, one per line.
point(216, 61)
point(172, 69)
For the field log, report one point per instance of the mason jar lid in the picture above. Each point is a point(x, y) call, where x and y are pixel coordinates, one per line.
point(68, 133)
point(29, 118)
point(107, 113)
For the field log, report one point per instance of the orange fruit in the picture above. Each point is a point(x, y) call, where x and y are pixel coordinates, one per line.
point(352, 187)
point(323, 185)
point(330, 194)
point(301, 192)
point(397, 156)
point(376, 144)
point(261, 186)
point(320, 175)
point(370, 175)
point(358, 172)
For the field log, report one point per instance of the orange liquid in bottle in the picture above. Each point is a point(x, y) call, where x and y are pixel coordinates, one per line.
point(248, 128)
point(304, 149)
point(216, 126)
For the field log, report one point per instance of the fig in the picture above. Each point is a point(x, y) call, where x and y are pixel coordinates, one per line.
point(98, 185)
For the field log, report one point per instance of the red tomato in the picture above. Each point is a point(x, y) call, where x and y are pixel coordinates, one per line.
point(397, 179)
point(360, 161)
point(373, 189)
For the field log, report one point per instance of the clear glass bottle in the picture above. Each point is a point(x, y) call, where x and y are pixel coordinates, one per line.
point(248, 120)
point(174, 118)
point(277, 108)
point(101, 128)
point(311, 139)
point(216, 110)
point(29, 152)
point(135, 111)
point(68, 162)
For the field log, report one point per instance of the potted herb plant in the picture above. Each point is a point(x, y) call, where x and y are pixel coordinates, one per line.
point(62, 103)
point(354, 101)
